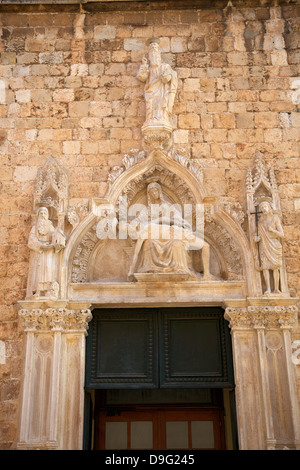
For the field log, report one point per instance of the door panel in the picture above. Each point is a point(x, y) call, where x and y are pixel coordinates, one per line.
point(161, 429)
point(191, 429)
point(158, 348)
point(129, 430)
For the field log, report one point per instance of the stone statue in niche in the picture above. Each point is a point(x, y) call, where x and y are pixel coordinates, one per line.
point(270, 234)
point(164, 240)
point(46, 242)
point(160, 85)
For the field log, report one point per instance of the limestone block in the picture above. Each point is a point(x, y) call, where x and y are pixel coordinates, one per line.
point(181, 136)
point(134, 44)
point(63, 94)
point(71, 147)
point(78, 109)
point(244, 120)
point(23, 96)
point(189, 121)
point(279, 57)
point(105, 32)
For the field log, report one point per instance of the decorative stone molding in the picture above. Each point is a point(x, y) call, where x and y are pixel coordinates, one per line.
point(82, 255)
point(76, 213)
point(55, 319)
point(51, 189)
point(261, 182)
point(238, 317)
point(166, 177)
point(254, 317)
point(261, 335)
point(130, 159)
point(184, 159)
point(227, 245)
point(234, 209)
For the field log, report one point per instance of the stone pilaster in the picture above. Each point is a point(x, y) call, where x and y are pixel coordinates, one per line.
point(53, 377)
point(268, 415)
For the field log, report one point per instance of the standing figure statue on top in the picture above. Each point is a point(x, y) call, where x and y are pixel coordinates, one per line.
point(160, 89)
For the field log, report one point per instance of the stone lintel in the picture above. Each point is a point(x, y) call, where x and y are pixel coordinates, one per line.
point(157, 292)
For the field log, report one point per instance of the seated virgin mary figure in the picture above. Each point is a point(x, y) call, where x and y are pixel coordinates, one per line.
point(164, 240)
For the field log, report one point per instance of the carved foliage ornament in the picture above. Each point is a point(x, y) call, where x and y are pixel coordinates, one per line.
point(61, 319)
point(253, 317)
point(51, 187)
point(77, 213)
point(82, 256)
point(261, 180)
point(166, 178)
point(227, 245)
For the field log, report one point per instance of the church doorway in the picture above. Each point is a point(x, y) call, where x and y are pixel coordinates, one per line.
point(159, 378)
point(191, 419)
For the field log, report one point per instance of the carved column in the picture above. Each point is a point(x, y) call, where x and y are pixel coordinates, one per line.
point(52, 406)
point(267, 408)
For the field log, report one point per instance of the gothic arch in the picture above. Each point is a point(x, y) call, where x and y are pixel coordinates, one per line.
point(222, 230)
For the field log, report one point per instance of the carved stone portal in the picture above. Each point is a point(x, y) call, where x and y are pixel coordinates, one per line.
point(186, 262)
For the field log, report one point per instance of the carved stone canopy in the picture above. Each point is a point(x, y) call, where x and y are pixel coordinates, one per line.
point(51, 187)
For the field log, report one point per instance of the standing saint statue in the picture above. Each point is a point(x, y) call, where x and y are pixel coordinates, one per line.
point(269, 237)
point(45, 241)
point(160, 86)
point(165, 239)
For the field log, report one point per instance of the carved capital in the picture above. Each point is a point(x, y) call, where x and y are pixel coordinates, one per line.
point(55, 319)
point(267, 316)
point(238, 317)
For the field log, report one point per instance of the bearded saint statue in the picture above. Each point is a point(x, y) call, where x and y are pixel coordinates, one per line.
point(160, 86)
point(45, 241)
point(270, 233)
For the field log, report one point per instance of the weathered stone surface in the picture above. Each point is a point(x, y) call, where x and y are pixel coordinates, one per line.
point(68, 90)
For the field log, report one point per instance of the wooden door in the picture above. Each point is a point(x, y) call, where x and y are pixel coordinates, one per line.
point(161, 429)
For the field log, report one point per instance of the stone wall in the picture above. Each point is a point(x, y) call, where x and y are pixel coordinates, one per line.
point(68, 90)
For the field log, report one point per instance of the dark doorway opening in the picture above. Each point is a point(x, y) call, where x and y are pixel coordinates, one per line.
point(159, 379)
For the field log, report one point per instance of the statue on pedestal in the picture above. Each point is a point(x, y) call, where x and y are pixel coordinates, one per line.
point(46, 242)
point(160, 89)
point(164, 241)
point(270, 234)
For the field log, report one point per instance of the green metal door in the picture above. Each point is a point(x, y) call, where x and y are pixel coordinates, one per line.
point(159, 348)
